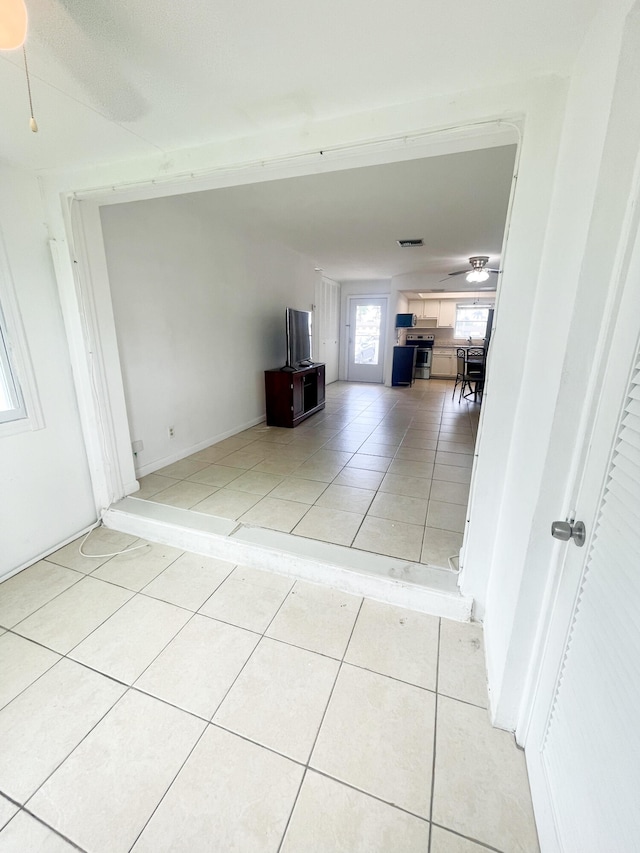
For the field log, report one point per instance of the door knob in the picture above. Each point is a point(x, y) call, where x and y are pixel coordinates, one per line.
point(566, 530)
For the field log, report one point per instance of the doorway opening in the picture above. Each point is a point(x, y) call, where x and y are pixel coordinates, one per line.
point(368, 354)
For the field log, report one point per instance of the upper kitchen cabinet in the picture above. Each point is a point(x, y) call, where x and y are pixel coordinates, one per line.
point(447, 313)
point(431, 313)
point(424, 309)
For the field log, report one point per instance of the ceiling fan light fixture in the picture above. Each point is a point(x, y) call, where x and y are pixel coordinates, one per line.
point(13, 24)
point(478, 275)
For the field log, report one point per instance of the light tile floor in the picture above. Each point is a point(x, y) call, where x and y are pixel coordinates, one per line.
point(161, 701)
point(380, 469)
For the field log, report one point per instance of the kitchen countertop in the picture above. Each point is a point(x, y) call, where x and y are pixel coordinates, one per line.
point(458, 346)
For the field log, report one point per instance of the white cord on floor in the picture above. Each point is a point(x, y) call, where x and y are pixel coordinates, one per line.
point(115, 553)
point(451, 565)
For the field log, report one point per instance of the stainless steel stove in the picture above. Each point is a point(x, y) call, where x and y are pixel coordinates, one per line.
point(424, 345)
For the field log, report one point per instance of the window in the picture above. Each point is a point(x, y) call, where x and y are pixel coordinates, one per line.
point(20, 408)
point(471, 321)
point(12, 406)
point(367, 334)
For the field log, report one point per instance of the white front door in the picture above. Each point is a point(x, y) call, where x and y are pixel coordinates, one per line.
point(583, 741)
point(366, 331)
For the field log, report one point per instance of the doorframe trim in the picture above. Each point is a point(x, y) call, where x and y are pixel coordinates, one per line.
point(562, 593)
point(627, 254)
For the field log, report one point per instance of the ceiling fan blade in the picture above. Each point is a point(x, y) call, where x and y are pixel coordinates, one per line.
point(460, 272)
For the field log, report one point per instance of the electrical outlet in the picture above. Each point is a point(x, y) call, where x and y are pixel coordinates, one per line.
point(137, 446)
point(171, 432)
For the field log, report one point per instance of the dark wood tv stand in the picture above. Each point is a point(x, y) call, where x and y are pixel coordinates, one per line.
point(293, 396)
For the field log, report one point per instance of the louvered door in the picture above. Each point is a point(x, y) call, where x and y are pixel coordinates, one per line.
point(327, 326)
point(590, 741)
point(594, 725)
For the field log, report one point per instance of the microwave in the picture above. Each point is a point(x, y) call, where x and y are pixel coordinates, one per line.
point(405, 321)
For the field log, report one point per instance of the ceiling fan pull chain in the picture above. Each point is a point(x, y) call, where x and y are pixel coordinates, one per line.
point(33, 124)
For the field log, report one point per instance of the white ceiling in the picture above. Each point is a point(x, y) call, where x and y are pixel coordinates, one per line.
point(114, 80)
point(348, 221)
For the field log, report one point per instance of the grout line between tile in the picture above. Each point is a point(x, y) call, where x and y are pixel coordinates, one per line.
point(82, 739)
point(189, 754)
point(386, 675)
point(43, 823)
point(435, 735)
point(262, 637)
point(368, 794)
point(293, 805)
point(464, 701)
point(324, 713)
point(353, 627)
point(246, 738)
point(81, 576)
point(481, 844)
point(15, 634)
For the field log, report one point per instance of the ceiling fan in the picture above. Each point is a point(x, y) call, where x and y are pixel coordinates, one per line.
point(479, 270)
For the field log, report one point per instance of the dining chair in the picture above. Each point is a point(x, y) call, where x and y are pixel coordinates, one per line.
point(475, 360)
point(461, 363)
point(469, 372)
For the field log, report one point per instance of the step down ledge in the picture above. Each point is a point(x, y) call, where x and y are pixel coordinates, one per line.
point(416, 586)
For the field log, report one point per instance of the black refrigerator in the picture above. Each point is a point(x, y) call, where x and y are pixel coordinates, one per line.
point(404, 365)
point(487, 334)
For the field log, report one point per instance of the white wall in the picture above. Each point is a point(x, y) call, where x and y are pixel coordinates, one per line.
point(199, 310)
point(599, 145)
point(45, 490)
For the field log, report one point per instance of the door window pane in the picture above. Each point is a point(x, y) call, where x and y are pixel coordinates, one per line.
point(367, 334)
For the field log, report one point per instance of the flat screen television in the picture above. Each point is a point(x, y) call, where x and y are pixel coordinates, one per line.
point(298, 338)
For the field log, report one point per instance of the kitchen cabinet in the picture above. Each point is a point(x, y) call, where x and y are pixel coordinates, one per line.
point(447, 313)
point(440, 313)
point(443, 363)
point(424, 309)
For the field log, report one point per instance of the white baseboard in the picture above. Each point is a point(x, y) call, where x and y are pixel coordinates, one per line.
point(46, 553)
point(150, 467)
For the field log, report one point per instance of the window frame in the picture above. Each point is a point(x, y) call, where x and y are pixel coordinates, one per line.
point(15, 360)
point(484, 305)
point(9, 378)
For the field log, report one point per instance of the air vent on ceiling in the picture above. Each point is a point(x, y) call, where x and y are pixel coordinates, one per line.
point(433, 290)
point(409, 244)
